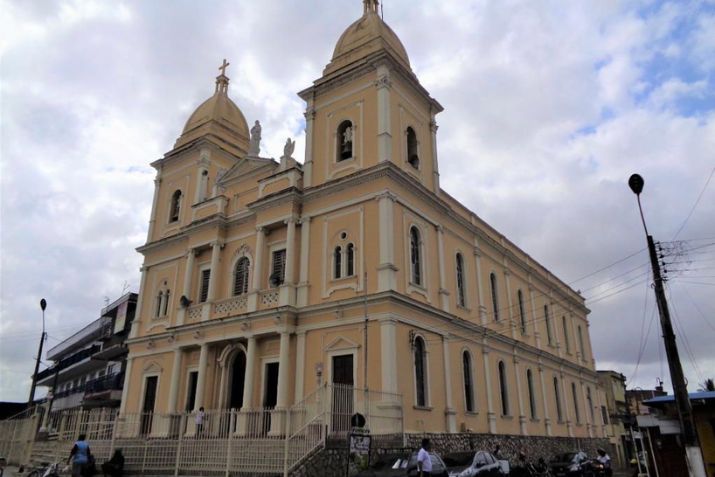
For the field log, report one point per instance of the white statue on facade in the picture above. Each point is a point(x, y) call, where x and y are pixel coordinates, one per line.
point(254, 148)
point(288, 149)
point(348, 135)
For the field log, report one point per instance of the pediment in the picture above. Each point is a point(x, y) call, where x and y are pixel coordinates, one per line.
point(153, 367)
point(341, 343)
point(247, 166)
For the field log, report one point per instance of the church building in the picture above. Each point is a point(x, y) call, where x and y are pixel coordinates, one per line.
point(265, 280)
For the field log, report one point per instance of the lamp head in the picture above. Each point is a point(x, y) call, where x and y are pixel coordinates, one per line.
point(635, 182)
point(43, 304)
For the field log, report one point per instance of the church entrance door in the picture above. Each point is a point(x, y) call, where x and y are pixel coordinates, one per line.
point(238, 378)
point(343, 383)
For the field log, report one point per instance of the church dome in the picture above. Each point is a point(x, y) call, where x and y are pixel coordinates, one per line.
point(219, 118)
point(369, 34)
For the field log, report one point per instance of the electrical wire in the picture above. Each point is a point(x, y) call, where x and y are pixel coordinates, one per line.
point(695, 205)
point(607, 266)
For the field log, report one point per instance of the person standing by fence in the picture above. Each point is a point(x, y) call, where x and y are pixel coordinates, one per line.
point(80, 457)
point(200, 416)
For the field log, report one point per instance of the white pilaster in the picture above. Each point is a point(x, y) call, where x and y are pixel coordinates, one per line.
point(435, 163)
point(136, 323)
point(175, 378)
point(512, 321)
point(388, 355)
point(449, 413)
point(257, 269)
point(545, 401)
point(384, 133)
point(302, 299)
point(154, 203)
point(188, 275)
point(480, 286)
point(491, 417)
point(386, 278)
point(299, 365)
point(213, 277)
point(278, 417)
point(201, 381)
point(520, 397)
point(308, 163)
point(250, 374)
point(125, 388)
point(565, 398)
point(443, 293)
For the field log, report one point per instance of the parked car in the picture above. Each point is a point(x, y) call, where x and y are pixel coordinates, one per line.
point(439, 469)
point(484, 464)
point(570, 464)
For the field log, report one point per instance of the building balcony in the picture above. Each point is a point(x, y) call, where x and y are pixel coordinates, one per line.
point(104, 391)
point(92, 332)
point(74, 365)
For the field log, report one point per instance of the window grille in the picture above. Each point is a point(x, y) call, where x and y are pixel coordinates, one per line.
point(460, 280)
point(415, 258)
point(420, 372)
point(240, 279)
point(468, 382)
point(205, 279)
point(495, 296)
point(278, 268)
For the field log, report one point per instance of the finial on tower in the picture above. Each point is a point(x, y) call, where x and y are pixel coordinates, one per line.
point(370, 6)
point(222, 79)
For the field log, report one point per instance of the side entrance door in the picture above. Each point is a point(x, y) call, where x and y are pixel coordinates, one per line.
point(343, 382)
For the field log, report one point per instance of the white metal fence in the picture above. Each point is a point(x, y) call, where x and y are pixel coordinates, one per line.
point(262, 441)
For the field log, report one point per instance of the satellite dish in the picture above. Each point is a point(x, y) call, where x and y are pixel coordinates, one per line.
point(185, 302)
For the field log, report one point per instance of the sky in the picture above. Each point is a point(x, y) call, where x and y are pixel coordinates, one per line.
point(549, 107)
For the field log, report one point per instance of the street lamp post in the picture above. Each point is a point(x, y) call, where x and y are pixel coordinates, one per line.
point(693, 456)
point(43, 305)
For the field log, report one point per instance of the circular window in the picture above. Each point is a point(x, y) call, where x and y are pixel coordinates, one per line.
point(343, 235)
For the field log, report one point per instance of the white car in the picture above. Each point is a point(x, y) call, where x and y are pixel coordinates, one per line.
point(484, 464)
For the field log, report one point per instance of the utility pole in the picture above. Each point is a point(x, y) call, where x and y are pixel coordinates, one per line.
point(43, 305)
point(694, 457)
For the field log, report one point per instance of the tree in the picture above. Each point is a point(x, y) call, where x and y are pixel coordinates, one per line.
point(707, 385)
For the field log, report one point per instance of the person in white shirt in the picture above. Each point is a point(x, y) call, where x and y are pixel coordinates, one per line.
point(605, 459)
point(200, 421)
point(424, 463)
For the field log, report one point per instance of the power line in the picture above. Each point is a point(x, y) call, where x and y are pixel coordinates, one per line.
point(607, 266)
point(697, 201)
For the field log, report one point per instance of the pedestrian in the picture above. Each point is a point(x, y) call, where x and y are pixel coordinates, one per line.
point(605, 459)
point(200, 416)
point(424, 462)
point(80, 457)
point(114, 466)
point(496, 452)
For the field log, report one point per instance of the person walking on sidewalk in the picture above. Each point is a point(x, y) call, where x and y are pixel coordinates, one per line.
point(424, 462)
point(80, 457)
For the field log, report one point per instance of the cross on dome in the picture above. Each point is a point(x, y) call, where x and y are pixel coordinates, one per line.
point(222, 79)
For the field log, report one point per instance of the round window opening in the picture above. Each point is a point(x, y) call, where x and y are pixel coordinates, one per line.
point(343, 235)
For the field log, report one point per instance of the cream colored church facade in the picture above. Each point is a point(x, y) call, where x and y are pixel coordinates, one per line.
point(264, 279)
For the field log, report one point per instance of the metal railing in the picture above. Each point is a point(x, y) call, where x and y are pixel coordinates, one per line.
point(258, 441)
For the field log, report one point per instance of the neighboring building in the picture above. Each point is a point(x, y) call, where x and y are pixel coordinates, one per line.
point(613, 385)
point(662, 429)
point(88, 368)
point(263, 279)
point(635, 398)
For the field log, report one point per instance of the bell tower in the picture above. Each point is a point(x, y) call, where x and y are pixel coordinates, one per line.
point(368, 108)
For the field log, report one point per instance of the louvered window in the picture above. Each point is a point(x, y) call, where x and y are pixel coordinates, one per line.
point(240, 279)
point(278, 266)
point(205, 278)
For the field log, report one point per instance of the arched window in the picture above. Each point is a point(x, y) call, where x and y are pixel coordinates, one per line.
point(165, 306)
point(412, 156)
point(522, 313)
point(420, 372)
point(159, 302)
point(460, 280)
point(567, 341)
point(503, 391)
point(175, 206)
point(468, 381)
point(557, 397)
point(345, 141)
point(589, 402)
point(532, 396)
point(415, 258)
point(575, 402)
point(337, 262)
point(495, 297)
point(547, 321)
point(240, 276)
point(351, 260)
